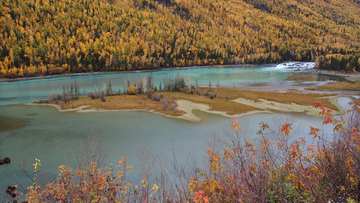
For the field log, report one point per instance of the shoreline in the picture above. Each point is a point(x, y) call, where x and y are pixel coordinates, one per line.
point(137, 71)
point(295, 68)
point(348, 77)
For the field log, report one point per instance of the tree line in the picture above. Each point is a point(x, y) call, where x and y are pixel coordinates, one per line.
point(338, 62)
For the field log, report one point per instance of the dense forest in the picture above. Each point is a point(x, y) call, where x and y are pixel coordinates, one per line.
point(45, 37)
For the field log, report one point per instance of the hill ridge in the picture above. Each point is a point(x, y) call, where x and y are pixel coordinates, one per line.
point(45, 37)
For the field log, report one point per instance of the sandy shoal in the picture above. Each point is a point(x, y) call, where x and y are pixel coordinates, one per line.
point(188, 106)
point(292, 107)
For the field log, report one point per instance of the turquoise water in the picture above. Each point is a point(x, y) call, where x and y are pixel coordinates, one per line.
point(34, 90)
point(55, 138)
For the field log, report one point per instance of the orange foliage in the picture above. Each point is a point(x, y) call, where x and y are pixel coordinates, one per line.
point(288, 172)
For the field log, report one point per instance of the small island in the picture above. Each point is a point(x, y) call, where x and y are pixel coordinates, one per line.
point(178, 99)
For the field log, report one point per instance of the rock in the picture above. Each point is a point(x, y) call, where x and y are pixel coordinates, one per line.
point(7, 160)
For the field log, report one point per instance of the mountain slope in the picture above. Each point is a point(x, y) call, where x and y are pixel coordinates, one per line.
point(41, 37)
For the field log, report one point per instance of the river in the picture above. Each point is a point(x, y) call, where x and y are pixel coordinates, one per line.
point(30, 132)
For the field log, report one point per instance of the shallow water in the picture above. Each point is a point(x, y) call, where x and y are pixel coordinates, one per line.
point(55, 137)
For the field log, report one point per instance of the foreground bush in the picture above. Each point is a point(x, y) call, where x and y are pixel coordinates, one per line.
point(89, 185)
point(284, 171)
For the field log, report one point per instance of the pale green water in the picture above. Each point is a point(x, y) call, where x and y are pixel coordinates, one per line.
point(52, 136)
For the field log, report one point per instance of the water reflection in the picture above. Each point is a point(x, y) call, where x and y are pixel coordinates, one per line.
point(315, 77)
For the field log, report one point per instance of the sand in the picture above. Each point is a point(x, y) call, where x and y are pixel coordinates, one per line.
point(277, 106)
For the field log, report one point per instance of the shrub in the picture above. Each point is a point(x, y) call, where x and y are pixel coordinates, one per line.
point(164, 106)
point(174, 102)
point(211, 95)
point(149, 93)
point(88, 184)
point(198, 92)
point(93, 95)
point(156, 97)
point(185, 90)
point(131, 90)
point(103, 97)
point(172, 107)
point(165, 103)
point(284, 170)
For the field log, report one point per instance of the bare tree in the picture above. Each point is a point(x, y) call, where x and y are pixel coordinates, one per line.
point(92, 150)
point(125, 82)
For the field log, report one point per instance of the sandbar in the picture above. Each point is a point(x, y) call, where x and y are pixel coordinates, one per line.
point(267, 106)
point(292, 107)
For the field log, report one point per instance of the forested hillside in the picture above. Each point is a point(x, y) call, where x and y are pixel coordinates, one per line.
point(43, 37)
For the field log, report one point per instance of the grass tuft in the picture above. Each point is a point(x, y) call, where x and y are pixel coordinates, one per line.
point(339, 86)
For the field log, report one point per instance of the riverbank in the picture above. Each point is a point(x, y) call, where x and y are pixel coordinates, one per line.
point(107, 72)
point(352, 77)
point(294, 67)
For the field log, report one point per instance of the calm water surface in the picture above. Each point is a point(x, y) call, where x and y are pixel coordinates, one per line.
point(34, 90)
point(54, 137)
